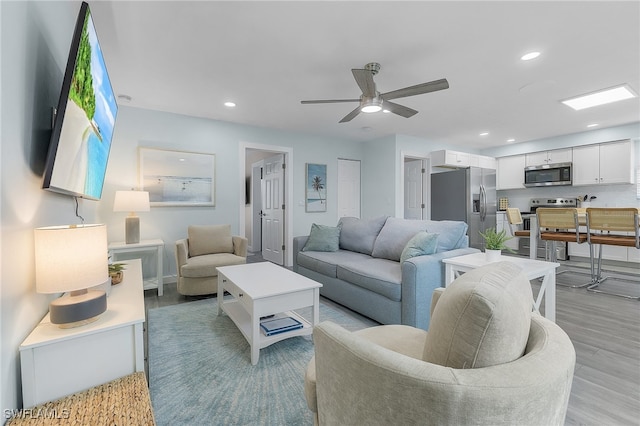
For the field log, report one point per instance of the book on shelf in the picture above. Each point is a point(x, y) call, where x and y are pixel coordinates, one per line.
point(273, 326)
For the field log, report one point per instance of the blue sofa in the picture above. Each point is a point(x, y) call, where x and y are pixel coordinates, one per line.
point(366, 275)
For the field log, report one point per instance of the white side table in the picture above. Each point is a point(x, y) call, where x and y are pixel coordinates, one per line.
point(532, 268)
point(56, 362)
point(155, 246)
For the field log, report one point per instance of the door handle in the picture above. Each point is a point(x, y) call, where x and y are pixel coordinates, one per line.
point(483, 203)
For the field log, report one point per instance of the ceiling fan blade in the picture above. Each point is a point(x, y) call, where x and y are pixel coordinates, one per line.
point(364, 78)
point(401, 110)
point(351, 115)
point(418, 89)
point(329, 101)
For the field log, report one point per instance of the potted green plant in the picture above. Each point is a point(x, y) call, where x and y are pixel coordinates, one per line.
point(494, 243)
point(116, 272)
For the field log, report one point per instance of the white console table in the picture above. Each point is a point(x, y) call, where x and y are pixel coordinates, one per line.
point(532, 269)
point(153, 246)
point(57, 362)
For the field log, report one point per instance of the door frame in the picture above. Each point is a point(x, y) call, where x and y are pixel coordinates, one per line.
point(288, 191)
point(256, 206)
point(426, 158)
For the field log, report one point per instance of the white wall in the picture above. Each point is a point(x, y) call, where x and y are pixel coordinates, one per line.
point(137, 127)
point(35, 41)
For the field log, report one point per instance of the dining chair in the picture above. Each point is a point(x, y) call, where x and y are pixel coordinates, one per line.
point(515, 220)
point(615, 227)
point(561, 224)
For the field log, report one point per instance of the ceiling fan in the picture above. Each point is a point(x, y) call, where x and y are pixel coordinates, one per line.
point(373, 101)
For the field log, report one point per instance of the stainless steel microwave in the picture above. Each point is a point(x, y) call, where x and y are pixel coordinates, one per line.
point(548, 175)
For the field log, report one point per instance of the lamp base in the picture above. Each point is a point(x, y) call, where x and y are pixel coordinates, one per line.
point(77, 308)
point(132, 230)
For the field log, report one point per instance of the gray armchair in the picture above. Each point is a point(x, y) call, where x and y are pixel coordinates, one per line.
point(486, 360)
point(199, 255)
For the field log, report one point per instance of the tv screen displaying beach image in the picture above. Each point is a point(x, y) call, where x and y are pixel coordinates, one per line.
point(88, 122)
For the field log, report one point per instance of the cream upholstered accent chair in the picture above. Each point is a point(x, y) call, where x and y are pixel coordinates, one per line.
point(487, 359)
point(199, 255)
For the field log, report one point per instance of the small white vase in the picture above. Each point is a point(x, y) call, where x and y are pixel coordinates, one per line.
point(492, 255)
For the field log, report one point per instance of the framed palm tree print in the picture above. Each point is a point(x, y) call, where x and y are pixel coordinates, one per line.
point(316, 188)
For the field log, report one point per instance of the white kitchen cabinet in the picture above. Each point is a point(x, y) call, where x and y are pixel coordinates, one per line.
point(609, 252)
point(510, 172)
point(456, 159)
point(633, 255)
point(448, 158)
point(549, 157)
point(483, 161)
point(605, 163)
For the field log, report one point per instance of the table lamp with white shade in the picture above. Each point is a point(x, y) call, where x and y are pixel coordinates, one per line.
point(72, 259)
point(132, 202)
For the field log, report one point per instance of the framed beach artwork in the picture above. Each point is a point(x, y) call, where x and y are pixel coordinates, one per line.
point(316, 188)
point(177, 178)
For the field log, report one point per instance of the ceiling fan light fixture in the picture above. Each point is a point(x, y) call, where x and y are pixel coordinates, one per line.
point(371, 108)
point(529, 56)
point(371, 105)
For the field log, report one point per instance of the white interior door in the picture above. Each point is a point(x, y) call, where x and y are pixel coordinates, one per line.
point(348, 188)
point(413, 189)
point(272, 209)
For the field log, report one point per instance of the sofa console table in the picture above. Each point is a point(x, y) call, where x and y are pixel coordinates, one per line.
point(154, 246)
point(533, 269)
point(57, 362)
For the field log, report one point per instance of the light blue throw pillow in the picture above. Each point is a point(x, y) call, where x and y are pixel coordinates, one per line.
point(422, 243)
point(360, 234)
point(323, 238)
point(453, 233)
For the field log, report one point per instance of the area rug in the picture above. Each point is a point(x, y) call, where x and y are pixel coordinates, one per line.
point(200, 370)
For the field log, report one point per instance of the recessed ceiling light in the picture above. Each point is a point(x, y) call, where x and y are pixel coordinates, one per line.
point(229, 104)
point(592, 125)
point(601, 97)
point(484, 133)
point(386, 111)
point(511, 140)
point(529, 56)
point(124, 98)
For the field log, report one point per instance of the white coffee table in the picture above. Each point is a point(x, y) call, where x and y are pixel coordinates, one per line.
point(262, 289)
point(532, 268)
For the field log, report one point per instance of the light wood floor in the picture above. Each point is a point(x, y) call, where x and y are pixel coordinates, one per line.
point(605, 331)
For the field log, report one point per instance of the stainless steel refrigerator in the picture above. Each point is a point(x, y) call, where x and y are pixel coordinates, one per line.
point(468, 195)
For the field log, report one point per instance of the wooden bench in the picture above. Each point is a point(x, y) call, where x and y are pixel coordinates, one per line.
point(124, 401)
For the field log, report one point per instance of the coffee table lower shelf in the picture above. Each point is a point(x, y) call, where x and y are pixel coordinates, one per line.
point(242, 320)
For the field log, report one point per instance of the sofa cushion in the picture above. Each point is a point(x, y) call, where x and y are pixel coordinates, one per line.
point(326, 263)
point(394, 236)
point(481, 319)
point(452, 233)
point(360, 234)
point(323, 238)
point(205, 265)
point(209, 239)
point(381, 276)
point(420, 244)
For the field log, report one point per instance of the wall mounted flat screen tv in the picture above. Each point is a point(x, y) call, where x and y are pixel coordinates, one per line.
point(83, 127)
